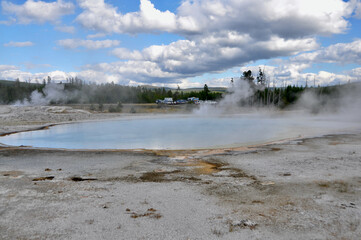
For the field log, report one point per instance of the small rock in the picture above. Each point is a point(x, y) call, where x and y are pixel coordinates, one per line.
point(351, 205)
point(91, 221)
point(267, 183)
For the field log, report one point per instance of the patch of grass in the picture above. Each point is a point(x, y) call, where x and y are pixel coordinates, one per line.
point(12, 173)
point(276, 149)
point(239, 173)
point(157, 176)
point(145, 202)
point(151, 213)
point(217, 232)
point(132, 110)
point(286, 174)
point(341, 186)
point(324, 184)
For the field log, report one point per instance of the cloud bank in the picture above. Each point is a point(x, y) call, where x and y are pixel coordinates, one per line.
point(215, 35)
point(218, 34)
point(257, 18)
point(38, 11)
point(19, 44)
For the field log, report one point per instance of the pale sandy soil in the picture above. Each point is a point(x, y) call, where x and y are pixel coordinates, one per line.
point(304, 189)
point(21, 118)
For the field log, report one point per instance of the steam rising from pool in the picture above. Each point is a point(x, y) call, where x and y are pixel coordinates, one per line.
point(345, 102)
point(209, 126)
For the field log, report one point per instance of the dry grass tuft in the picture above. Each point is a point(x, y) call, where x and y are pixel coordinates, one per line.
point(43, 178)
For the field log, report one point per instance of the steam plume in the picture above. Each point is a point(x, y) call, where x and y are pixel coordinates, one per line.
point(52, 93)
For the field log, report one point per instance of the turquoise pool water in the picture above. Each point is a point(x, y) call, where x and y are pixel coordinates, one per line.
point(169, 132)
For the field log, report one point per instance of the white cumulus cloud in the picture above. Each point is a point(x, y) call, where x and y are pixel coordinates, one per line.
point(66, 29)
point(88, 44)
point(218, 34)
point(19, 44)
point(7, 67)
point(260, 18)
point(341, 53)
point(98, 15)
point(214, 53)
point(38, 11)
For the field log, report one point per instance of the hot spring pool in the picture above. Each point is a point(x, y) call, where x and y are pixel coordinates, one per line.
point(170, 132)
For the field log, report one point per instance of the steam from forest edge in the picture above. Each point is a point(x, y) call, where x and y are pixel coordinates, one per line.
point(342, 101)
point(52, 93)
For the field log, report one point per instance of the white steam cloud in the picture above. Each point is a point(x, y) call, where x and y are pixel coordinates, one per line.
point(53, 92)
point(238, 91)
point(337, 103)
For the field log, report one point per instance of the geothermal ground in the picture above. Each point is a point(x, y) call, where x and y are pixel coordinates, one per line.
point(298, 189)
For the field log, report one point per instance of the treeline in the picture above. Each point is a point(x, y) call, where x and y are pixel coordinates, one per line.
point(77, 91)
point(12, 91)
point(283, 97)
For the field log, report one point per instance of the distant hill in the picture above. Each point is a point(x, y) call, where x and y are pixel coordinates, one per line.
point(212, 89)
point(7, 82)
point(155, 87)
point(11, 83)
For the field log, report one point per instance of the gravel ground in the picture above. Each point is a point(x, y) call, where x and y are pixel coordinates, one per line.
point(301, 189)
point(21, 118)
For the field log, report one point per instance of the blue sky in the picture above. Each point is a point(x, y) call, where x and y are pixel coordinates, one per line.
point(186, 43)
